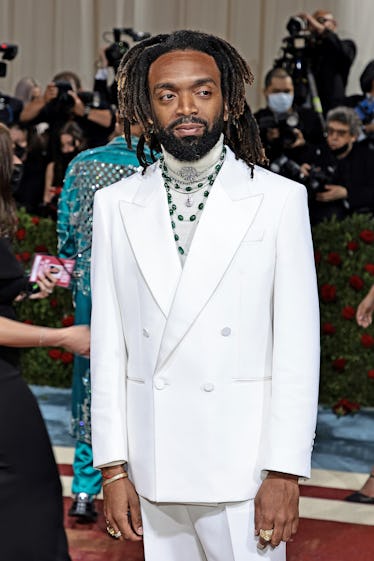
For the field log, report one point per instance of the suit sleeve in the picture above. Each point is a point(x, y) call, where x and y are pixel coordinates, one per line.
point(108, 349)
point(296, 355)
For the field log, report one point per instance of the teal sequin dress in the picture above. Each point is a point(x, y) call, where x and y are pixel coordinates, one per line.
point(91, 170)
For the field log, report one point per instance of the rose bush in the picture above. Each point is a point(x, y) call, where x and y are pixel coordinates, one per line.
point(52, 367)
point(345, 273)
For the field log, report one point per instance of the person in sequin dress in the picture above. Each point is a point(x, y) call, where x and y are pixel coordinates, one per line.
point(91, 170)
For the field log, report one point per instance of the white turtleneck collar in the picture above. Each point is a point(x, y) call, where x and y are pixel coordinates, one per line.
point(177, 167)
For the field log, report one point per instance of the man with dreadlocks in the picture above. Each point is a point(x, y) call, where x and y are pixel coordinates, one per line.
point(205, 318)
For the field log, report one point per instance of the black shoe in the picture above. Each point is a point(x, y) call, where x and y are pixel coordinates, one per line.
point(83, 508)
point(360, 498)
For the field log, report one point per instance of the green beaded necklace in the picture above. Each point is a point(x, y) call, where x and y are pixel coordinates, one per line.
point(170, 184)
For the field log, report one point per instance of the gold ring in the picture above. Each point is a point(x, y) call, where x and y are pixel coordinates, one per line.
point(266, 534)
point(111, 531)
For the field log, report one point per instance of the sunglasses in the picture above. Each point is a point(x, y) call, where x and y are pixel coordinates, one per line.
point(338, 132)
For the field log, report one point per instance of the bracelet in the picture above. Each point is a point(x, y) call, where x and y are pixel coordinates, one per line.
point(110, 476)
point(115, 478)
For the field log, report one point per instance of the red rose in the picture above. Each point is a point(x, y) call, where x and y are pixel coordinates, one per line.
point(67, 321)
point(367, 341)
point(328, 329)
point(339, 364)
point(352, 245)
point(55, 353)
point(40, 249)
point(369, 268)
point(356, 282)
point(317, 257)
point(344, 406)
point(367, 236)
point(328, 292)
point(35, 220)
point(28, 321)
point(348, 312)
point(25, 256)
point(371, 374)
point(53, 302)
point(334, 259)
point(21, 234)
point(67, 358)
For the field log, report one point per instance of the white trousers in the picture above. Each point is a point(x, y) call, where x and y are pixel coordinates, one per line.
point(185, 532)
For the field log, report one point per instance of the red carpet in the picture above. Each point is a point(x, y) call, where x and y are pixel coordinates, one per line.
point(332, 541)
point(316, 541)
point(90, 542)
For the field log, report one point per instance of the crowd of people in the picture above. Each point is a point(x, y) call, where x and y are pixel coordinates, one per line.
point(61, 145)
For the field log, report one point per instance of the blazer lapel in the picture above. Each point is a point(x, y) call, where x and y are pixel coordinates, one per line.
point(147, 223)
point(222, 227)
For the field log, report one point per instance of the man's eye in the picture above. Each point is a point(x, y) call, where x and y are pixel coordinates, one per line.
point(166, 96)
point(204, 93)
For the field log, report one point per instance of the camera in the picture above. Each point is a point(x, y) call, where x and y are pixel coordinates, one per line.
point(296, 55)
point(288, 168)
point(318, 178)
point(285, 125)
point(314, 182)
point(65, 101)
point(118, 49)
point(9, 53)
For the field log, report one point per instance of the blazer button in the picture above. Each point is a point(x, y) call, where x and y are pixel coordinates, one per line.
point(226, 331)
point(146, 332)
point(208, 387)
point(159, 384)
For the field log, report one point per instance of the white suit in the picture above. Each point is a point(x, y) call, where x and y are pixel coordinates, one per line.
point(206, 375)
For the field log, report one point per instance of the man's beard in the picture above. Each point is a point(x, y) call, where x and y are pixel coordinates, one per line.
point(190, 148)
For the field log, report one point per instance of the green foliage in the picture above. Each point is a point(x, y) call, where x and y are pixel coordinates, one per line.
point(344, 253)
point(43, 365)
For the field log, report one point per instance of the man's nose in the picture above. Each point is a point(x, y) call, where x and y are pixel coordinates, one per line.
point(186, 104)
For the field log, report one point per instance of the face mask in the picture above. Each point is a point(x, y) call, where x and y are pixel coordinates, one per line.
point(280, 102)
point(16, 177)
point(341, 150)
point(19, 151)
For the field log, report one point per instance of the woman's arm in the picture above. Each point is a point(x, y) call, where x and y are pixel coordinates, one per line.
point(75, 339)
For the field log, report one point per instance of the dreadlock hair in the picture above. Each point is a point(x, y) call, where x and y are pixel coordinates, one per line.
point(241, 131)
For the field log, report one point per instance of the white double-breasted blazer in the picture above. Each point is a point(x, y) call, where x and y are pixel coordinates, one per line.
point(203, 376)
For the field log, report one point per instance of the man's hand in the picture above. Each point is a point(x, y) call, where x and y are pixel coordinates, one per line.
point(365, 310)
point(300, 140)
point(332, 193)
point(314, 25)
point(122, 509)
point(277, 508)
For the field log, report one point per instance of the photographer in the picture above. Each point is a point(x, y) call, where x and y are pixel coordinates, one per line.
point(345, 168)
point(63, 101)
point(364, 104)
point(331, 58)
point(285, 128)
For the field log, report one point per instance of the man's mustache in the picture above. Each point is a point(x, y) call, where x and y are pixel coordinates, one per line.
point(186, 121)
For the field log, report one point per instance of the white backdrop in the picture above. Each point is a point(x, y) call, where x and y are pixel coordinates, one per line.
point(55, 35)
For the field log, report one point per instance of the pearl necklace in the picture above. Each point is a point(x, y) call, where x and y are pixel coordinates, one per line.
point(171, 184)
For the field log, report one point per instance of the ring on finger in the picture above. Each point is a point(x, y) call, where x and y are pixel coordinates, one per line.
point(266, 535)
point(111, 531)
